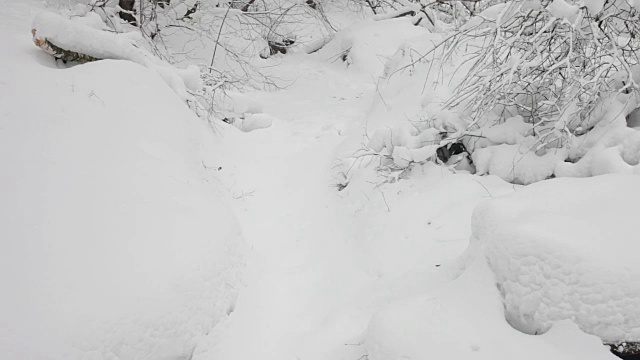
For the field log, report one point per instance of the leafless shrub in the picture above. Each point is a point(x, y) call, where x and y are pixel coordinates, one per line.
point(553, 71)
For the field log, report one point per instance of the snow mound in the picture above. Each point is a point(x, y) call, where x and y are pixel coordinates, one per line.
point(116, 243)
point(615, 150)
point(517, 164)
point(83, 37)
point(573, 258)
point(464, 320)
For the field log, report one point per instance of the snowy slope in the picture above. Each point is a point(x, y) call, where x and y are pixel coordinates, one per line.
point(116, 242)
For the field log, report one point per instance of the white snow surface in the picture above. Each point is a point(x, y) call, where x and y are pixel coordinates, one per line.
point(464, 320)
point(79, 37)
point(128, 217)
point(565, 249)
point(116, 240)
point(367, 45)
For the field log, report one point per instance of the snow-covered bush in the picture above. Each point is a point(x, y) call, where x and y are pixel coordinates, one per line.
point(552, 63)
point(532, 89)
point(224, 39)
point(558, 66)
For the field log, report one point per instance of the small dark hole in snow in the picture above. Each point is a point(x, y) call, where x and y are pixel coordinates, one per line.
point(437, 265)
point(447, 151)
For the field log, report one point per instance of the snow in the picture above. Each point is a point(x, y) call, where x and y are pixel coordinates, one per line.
point(254, 122)
point(634, 3)
point(518, 164)
point(614, 151)
point(367, 45)
point(241, 103)
point(512, 131)
point(572, 258)
point(117, 243)
point(562, 9)
point(464, 320)
point(594, 6)
point(314, 226)
point(406, 143)
point(78, 36)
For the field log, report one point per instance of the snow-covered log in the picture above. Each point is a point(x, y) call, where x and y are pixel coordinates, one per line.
point(73, 40)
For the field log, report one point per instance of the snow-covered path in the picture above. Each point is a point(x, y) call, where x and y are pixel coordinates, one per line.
point(301, 269)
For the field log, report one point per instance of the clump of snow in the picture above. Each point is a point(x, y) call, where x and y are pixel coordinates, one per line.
point(570, 258)
point(512, 131)
point(83, 37)
point(406, 143)
point(518, 164)
point(116, 240)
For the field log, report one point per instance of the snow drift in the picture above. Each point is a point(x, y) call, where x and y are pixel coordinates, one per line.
point(116, 244)
point(570, 258)
point(464, 320)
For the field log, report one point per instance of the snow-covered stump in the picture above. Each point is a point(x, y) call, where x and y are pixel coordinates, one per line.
point(572, 258)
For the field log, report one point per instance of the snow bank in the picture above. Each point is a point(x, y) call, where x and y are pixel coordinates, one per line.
point(116, 243)
point(571, 258)
point(464, 320)
point(79, 36)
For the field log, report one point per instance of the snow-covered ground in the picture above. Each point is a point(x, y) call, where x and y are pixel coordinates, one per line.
point(116, 241)
point(134, 230)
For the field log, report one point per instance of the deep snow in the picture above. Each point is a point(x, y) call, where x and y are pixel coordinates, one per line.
point(116, 241)
point(570, 258)
point(128, 221)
